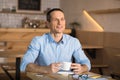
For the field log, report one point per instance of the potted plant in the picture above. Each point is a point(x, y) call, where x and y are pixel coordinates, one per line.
point(74, 25)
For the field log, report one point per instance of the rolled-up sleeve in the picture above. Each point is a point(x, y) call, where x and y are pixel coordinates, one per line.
point(80, 56)
point(31, 54)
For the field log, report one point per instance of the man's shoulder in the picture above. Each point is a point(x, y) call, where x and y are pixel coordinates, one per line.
point(69, 37)
point(41, 37)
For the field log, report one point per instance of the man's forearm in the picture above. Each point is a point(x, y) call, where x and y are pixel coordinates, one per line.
point(36, 68)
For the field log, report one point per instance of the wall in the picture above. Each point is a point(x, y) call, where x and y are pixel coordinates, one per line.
point(18, 39)
point(73, 11)
point(14, 20)
point(109, 21)
point(108, 54)
point(112, 50)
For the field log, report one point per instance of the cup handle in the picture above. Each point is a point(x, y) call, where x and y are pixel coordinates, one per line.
point(61, 67)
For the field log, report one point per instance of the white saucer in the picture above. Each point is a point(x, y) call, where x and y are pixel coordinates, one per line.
point(65, 72)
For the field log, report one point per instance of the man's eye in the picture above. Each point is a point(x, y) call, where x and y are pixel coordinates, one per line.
point(54, 19)
point(62, 19)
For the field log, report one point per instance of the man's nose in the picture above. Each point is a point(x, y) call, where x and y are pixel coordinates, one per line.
point(59, 21)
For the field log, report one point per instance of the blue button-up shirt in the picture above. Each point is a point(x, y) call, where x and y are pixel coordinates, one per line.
point(43, 50)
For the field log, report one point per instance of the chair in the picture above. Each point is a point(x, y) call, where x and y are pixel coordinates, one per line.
point(12, 69)
point(115, 69)
point(12, 66)
point(115, 75)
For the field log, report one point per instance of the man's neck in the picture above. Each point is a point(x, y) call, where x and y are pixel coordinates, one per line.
point(57, 36)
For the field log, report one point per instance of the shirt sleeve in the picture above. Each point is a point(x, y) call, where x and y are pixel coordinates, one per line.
point(80, 56)
point(31, 54)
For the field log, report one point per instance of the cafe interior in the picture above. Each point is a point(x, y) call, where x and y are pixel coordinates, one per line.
point(96, 23)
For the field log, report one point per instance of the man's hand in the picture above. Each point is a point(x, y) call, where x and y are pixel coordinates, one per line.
point(54, 67)
point(78, 68)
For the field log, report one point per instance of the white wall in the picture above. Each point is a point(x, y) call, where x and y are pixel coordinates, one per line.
point(73, 10)
point(14, 20)
point(110, 22)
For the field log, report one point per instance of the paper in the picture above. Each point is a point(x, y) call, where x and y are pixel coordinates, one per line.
point(91, 76)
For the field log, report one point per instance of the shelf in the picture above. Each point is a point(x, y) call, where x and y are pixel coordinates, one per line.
point(19, 38)
point(29, 13)
point(24, 30)
point(107, 11)
point(42, 30)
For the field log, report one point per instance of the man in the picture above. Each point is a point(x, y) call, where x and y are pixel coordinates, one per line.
point(45, 53)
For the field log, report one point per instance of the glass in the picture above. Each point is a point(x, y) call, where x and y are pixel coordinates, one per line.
point(83, 77)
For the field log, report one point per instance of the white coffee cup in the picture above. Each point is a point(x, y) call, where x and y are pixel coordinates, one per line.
point(65, 66)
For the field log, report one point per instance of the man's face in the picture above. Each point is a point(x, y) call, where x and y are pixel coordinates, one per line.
point(57, 22)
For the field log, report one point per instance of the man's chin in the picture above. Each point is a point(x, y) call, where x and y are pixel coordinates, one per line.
point(59, 31)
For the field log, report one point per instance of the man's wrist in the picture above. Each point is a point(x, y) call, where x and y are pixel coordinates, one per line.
point(84, 68)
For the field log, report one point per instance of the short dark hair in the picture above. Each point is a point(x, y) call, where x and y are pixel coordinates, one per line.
point(50, 11)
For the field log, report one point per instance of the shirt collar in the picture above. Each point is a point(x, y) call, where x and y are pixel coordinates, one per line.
point(52, 40)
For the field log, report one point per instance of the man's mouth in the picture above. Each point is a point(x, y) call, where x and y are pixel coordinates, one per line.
point(59, 27)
